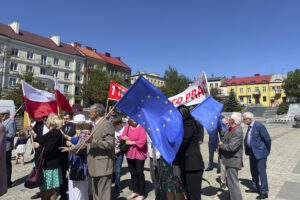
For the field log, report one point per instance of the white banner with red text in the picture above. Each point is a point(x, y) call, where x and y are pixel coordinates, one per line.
point(197, 92)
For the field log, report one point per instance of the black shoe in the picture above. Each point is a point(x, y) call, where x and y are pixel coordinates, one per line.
point(252, 190)
point(118, 189)
point(222, 186)
point(218, 171)
point(209, 169)
point(262, 196)
point(36, 196)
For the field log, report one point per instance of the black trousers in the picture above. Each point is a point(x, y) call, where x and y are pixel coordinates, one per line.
point(192, 182)
point(63, 187)
point(136, 169)
point(8, 167)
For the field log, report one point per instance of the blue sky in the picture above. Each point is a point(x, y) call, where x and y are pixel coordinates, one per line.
point(225, 38)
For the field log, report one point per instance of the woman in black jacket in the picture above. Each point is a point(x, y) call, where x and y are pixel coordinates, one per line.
point(189, 157)
point(50, 142)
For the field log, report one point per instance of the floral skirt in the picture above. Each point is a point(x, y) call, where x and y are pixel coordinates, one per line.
point(51, 179)
point(170, 182)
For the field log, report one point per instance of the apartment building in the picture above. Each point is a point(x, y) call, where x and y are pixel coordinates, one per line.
point(265, 90)
point(153, 78)
point(103, 61)
point(22, 51)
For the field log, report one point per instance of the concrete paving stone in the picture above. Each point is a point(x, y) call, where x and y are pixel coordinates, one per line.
point(282, 164)
point(297, 168)
point(290, 191)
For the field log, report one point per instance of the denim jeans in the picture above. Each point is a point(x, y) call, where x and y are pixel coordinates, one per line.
point(119, 162)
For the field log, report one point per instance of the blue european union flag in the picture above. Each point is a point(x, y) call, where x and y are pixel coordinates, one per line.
point(145, 104)
point(208, 114)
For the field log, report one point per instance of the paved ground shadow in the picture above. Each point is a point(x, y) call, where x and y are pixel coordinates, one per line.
point(210, 191)
point(246, 182)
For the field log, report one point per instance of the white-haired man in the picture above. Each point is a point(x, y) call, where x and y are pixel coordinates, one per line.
point(100, 154)
point(257, 146)
point(231, 150)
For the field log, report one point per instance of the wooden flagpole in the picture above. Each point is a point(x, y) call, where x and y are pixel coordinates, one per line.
point(106, 106)
point(94, 130)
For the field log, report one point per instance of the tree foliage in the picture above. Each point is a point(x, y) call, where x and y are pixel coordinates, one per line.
point(291, 84)
point(16, 94)
point(96, 87)
point(231, 104)
point(283, 108)
point(216, 93)
point(174, 82)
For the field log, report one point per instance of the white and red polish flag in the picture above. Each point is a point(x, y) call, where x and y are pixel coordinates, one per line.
point(61, 99)
point(38, 103)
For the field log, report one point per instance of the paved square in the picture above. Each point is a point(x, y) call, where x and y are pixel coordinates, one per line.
point(283, 170)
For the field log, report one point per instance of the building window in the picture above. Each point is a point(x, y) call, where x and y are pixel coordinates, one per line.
point(216, 84)
point(76, 90)
point(67, 76)
point(14, 52)
point(78, 78)
point(90, 66)
point(241, 90)
point(100, 67)
point(78, 67)
point(55, 73)
point(12, 81)
point(241, 99)
point(66, 89)
point(43, 71)
point(43, 60)
point(28, 68)
point(211, 85)
point(257, 89)
point(67, 63)
point(264, 89)
point(13, 66)
point(273, 88)
point(278, 89)
point(29, 55)
point(264, 98)
point(56, 60)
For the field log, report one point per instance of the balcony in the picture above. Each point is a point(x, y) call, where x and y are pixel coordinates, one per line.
point(278, 91)
point(256, 92)
point(45, 76)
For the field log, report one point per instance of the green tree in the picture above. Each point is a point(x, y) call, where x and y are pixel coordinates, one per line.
point(96, 87)
point(231, 104)
point(16, 93)
point(291, 84)
point(174, 82)
point(216, 93)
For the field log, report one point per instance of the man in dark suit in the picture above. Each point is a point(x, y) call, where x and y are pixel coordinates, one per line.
point(69, 129)
point(257, 146)
point(231, 150)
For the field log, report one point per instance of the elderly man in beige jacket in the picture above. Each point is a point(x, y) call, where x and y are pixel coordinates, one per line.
point(100, 155)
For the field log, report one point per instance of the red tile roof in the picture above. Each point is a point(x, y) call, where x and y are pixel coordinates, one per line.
point(87, 51)
point(38, 40)
point(113, 60)
point(256, 79)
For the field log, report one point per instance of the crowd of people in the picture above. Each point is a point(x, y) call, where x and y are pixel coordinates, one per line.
point(82, 158)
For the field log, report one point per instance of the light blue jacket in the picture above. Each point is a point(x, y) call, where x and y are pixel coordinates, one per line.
point(10, 130)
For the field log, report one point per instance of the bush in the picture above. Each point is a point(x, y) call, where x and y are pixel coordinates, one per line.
point(283, 108)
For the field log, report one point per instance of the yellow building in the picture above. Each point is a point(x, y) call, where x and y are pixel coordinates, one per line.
point(153, 78)
point(263, 90)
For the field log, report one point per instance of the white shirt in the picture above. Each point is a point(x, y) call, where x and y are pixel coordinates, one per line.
point(249, 133)
point(150, 150)
point(45, 129)
point(97, 122)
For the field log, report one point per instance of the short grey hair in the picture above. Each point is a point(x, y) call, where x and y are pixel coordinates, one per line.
point(237, 117)
point(248, 115)
point(98, 108)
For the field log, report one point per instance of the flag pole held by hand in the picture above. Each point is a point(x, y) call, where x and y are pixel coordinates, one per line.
point(94, 130)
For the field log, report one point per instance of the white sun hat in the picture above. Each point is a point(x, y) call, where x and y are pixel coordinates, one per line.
point(79, 119)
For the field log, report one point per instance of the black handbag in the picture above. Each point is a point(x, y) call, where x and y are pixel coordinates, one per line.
point(123, 146)
point(34, 179)
point(76, 174)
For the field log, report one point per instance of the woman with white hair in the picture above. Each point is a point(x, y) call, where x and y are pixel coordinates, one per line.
point(50, 142)
point(231, 150)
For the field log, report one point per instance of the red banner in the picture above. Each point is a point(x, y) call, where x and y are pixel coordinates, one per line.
point(116, 91)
